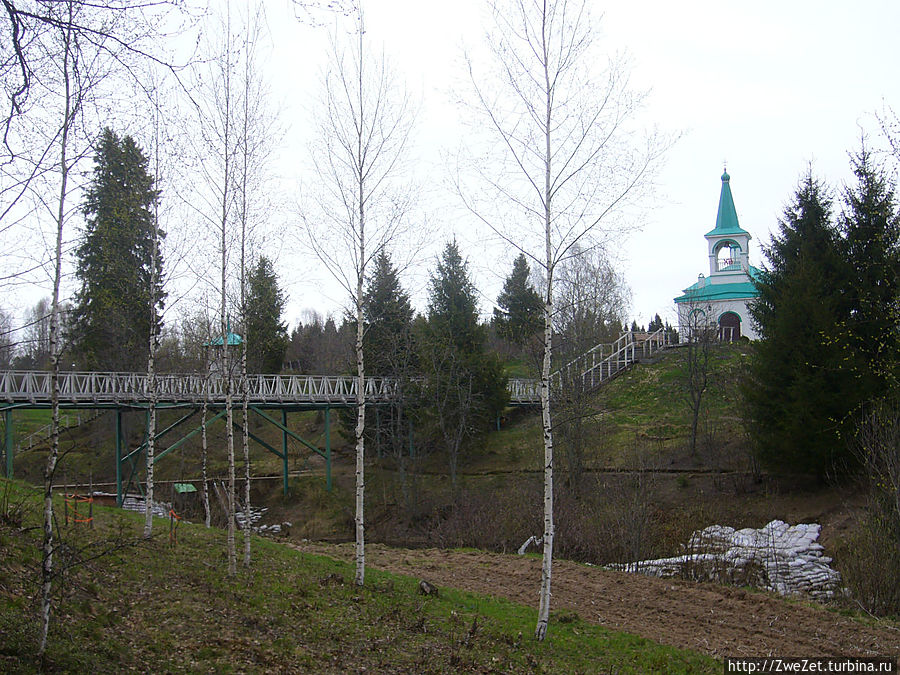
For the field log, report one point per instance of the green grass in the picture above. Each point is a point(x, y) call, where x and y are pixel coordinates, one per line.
point(26, 422)
point(645, 407)
point(156, 607)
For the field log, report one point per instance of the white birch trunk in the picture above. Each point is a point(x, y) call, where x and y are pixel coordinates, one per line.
point(360, 363)
point(204, 490)
point(151, 365)
point(246, 430)
point(245, 155)
point(229, 434)
point(360, 376)
point(546, 425)
point(360, 442)
point(226, 365)
point(50, 468)
point(546, 421)
point(552, 116)
point(365, 126)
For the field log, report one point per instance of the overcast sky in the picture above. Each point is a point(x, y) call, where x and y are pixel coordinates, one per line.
point(767, 87)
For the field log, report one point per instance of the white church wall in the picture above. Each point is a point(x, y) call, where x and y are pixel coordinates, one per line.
point(712, 310)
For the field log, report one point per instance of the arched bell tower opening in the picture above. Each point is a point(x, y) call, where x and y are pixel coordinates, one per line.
point(727, 255)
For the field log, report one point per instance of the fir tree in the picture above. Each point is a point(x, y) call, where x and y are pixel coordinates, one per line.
point(453, 305)
point(388, 316)
point(112, 314)
point(390, 352)
point(796, 394)
point(870, 225)
point(267, 335)
point(519, 313)
point(465, 385)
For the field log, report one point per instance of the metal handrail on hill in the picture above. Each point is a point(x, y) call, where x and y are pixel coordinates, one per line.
point(43, 434)
point(592, 368)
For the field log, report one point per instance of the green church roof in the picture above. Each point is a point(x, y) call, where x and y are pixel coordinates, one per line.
point(705, 290)
point(726, 220)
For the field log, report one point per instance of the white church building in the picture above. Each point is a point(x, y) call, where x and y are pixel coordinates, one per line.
point(720, 299)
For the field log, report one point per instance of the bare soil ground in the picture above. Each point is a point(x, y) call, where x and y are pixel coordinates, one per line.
point(716, 620)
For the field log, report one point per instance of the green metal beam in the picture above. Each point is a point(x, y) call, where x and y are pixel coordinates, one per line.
point(177, 444)
point(15, 406)
point(284, 451)
point(162, 433)
point(288, 431)
point(238, 427)
point(119, 496)
point(328, 448)
point(9, 443)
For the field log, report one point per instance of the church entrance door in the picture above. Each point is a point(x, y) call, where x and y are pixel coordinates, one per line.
point(729, 327)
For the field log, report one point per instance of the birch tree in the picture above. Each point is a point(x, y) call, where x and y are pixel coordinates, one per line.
point(562, 162)
point(68, 55)
point(71, 100)
point(153, 341)
point(255, 130)
point(364, 126)
point(215, 204)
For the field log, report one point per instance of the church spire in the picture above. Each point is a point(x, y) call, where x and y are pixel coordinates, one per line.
point(726, 219)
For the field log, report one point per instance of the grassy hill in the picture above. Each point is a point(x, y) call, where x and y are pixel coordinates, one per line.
point(128, 604)
point(645, 407)
point(637, 475)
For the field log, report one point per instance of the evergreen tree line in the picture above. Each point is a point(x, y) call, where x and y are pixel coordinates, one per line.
point(108, 324)
point(107, 327)
point(828, 316)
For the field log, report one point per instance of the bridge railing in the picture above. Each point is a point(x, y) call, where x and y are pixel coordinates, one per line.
point(26, 386)
point(112, 388)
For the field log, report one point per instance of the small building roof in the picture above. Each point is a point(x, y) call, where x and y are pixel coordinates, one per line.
point(726, 219)
point(233, 340)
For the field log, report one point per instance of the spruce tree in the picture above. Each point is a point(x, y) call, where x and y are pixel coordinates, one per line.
point(465, 385)
point(388, 315)
point(267, 335)
point(390, 352)
point(112, 313)
point(796, 393)
point(519, 313)
point(453, 304)
point(870, 225)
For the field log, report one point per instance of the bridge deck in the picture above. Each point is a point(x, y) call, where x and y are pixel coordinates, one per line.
point(95, 389)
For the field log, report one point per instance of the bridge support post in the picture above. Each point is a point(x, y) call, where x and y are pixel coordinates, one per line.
point(284, 449)
point(9, 443)
point(119, 496)
point(328, 448)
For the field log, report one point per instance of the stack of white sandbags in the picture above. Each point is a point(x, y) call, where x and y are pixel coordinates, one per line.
point(779, 557)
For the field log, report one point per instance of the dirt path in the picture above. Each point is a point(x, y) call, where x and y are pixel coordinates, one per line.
point(716, 620)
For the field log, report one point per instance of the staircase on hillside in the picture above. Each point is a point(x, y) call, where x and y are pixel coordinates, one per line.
point(596, 366)
point(43, 434)
point(605, 361)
